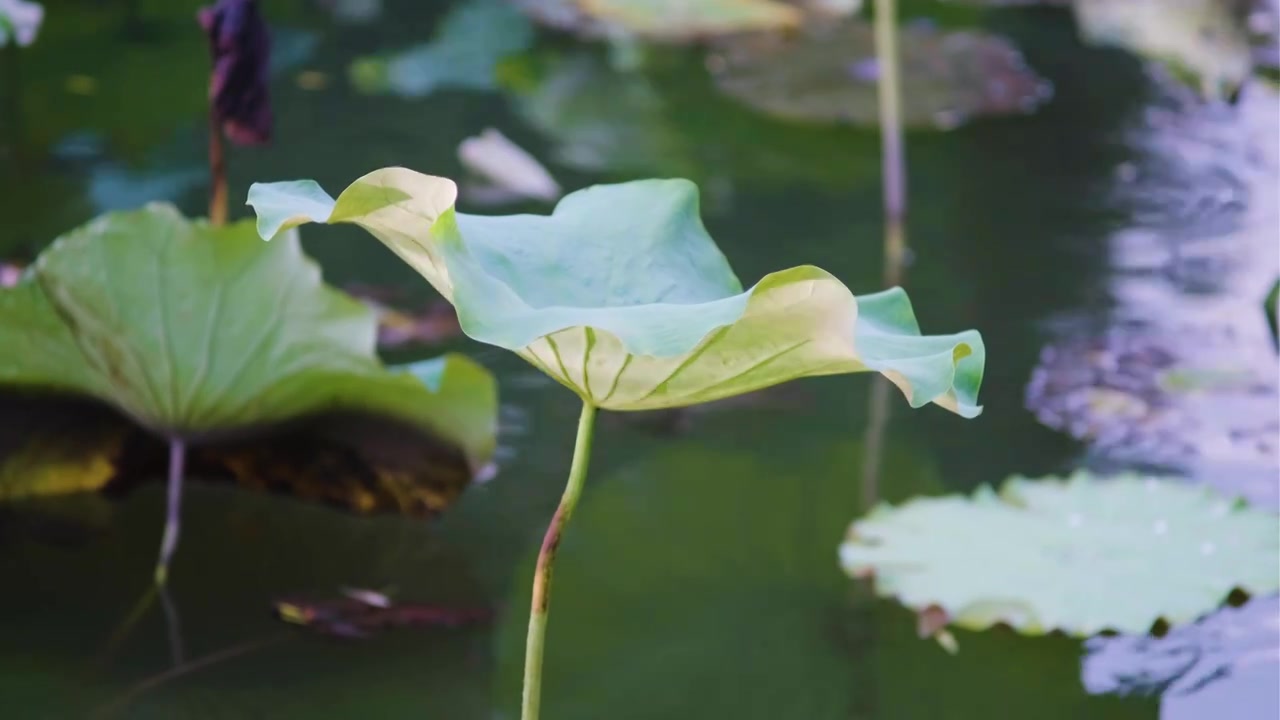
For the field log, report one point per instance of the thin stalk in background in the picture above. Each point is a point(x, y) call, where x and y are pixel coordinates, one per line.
point(217, 170)
point(893, 160)
point(541, 604)
point(893, 172)
point(173, 512)
point(14, 125)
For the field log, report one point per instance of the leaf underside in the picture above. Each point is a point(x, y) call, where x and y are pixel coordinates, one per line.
point(621, 295)
point(203, 333)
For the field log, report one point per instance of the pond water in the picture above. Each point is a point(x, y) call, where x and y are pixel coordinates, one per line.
point(700, 576)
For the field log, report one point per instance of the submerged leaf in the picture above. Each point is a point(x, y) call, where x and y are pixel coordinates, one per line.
point(20, 22)
point(1080, 555)
point(464, 53)
point(622, 296)
point(239, 88)
point(829, 74)
point(202, 332)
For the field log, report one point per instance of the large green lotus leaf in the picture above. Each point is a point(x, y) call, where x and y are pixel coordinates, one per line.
point(196, 331)
point(1205, 41)
point(622, 295)
point(829, 74)
point(1080, 555)
point(36, 346)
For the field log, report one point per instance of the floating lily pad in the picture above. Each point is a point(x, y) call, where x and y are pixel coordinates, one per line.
point(464, 54)
point(829, 74)
point(622, 296)
point(20, 22)
point(683, 20)
point(209, 335)
point(1080, 555)
point(603, 120)
point(1204, 41)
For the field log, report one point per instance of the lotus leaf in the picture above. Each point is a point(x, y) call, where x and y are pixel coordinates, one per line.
point(680, 20)
point(621, 295)
point(829, 74)
point(1205, 41)
point(465, 52)
point(1080, 555)
point(197, 332)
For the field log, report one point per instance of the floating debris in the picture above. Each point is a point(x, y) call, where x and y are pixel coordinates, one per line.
point(506, 172)
point(361, 614)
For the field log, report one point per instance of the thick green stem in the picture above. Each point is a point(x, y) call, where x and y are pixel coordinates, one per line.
point(546, 559)
point(892, 146)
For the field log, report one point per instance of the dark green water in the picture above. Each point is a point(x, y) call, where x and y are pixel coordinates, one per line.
point(700, 577)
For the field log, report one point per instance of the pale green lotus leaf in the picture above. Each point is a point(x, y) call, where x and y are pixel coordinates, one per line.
point(622, 296)
point(681, 20)
point(1080, 555)
point(1207, 42)
point(195, 331)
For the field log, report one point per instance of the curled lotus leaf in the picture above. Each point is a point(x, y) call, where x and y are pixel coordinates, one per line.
point(621, 295)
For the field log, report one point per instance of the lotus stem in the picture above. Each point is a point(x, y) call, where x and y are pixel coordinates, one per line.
point(217, 171)
point(893, 169)
point(173, 513)
point(11, 57)
point(173, 622)
point(541, 605)
point(892, 147)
